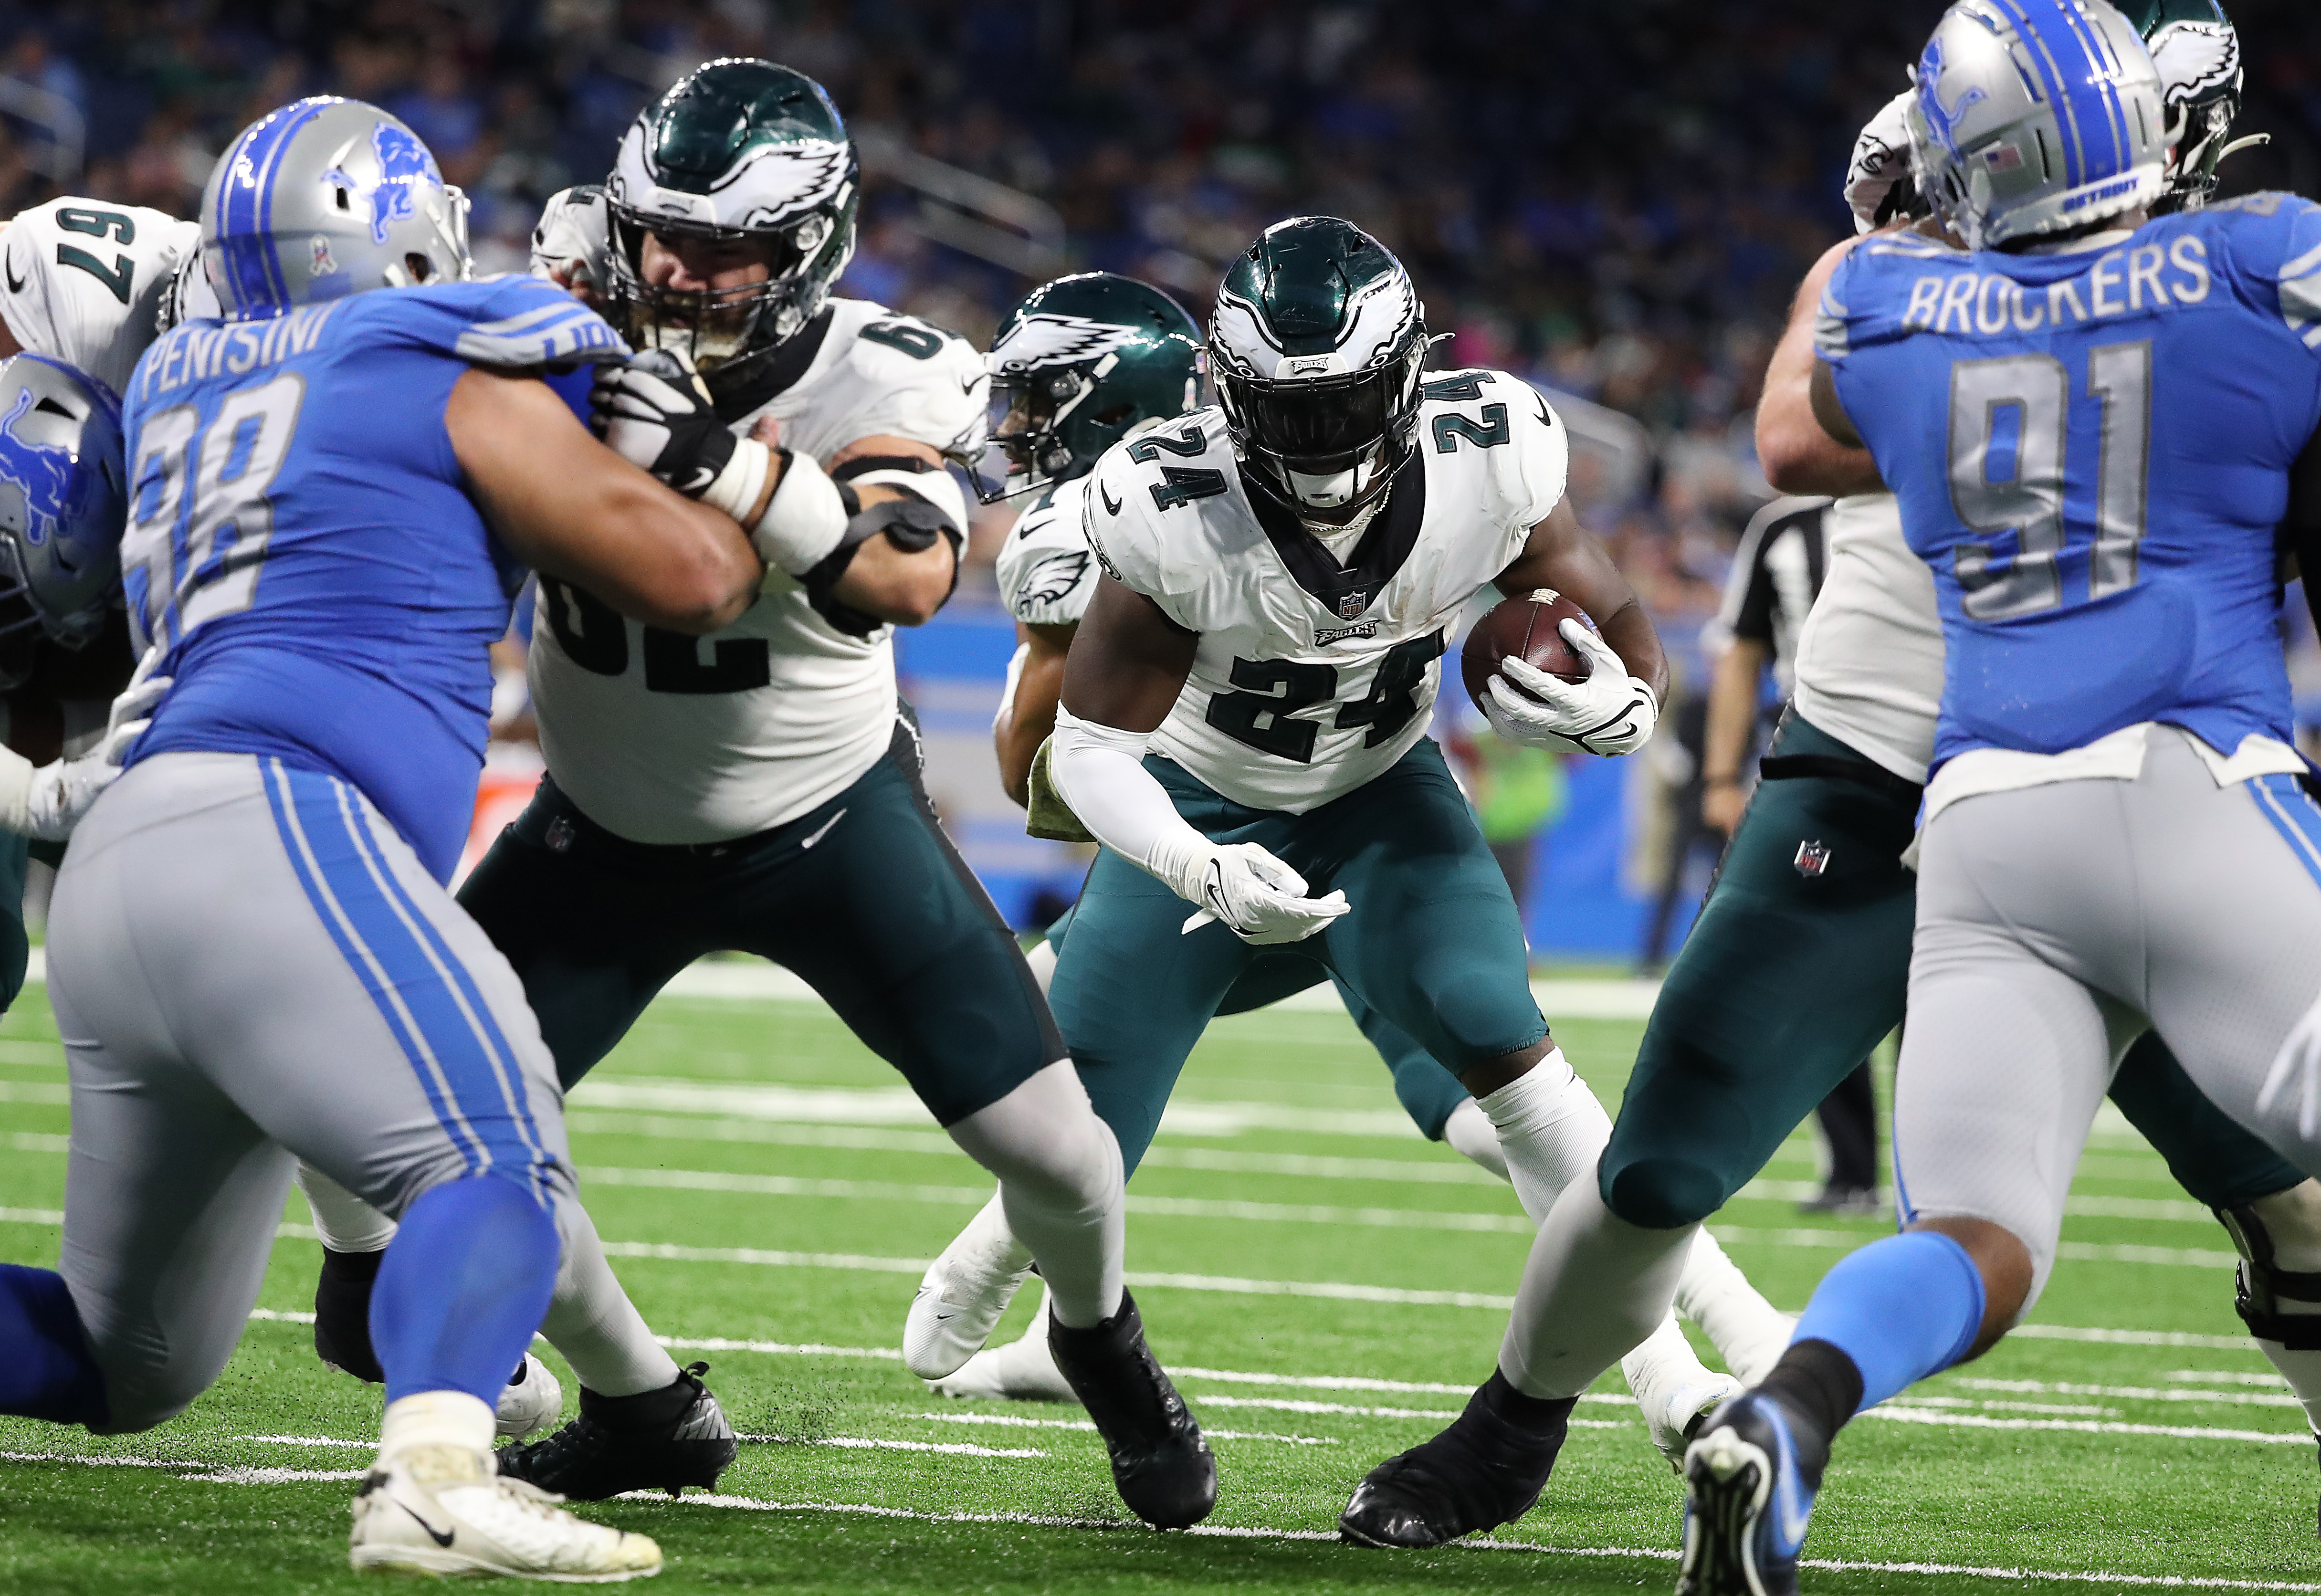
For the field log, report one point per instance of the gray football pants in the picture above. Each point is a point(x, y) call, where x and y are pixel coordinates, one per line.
point(249, 964)
point(2055, 925)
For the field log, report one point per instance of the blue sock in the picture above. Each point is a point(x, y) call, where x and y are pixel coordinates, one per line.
point(1901, 1309)
point(463, 1286)
point(47, 1370)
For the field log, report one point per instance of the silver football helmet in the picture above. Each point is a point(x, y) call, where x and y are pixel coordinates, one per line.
point(63, 502)
point(323, 199)
point(2035, 117)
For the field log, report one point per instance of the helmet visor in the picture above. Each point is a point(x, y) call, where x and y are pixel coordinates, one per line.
point(1319, 424)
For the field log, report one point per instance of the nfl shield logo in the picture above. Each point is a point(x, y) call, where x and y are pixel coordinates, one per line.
point(559, 835)
point(1813, 858)
point(1351, 605)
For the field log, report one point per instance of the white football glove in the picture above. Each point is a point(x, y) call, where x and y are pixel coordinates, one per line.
point(1610, 712)
point(52, 798)
point(1260, 899)
point(1882, 159)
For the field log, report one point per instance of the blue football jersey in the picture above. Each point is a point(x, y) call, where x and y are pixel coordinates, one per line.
point(2092, 451)
point(301, 545)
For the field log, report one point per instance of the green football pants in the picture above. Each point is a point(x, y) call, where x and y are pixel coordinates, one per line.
point(1797, 968)
point(1432, 946)
point(863, 898)
point(1428, 1092)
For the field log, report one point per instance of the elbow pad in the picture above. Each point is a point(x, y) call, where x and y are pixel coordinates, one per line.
point(911, 523)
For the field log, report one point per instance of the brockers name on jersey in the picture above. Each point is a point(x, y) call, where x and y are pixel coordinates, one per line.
point(1311, 676)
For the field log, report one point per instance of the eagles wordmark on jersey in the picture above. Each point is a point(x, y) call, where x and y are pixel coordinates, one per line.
point(1313, 677)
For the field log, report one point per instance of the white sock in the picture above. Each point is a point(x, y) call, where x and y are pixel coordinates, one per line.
point(1593, 1289)
point(593, 1323)
point(1471, 1134)
point(1059, 1181)
point(1042, 960)
point(2292, 1223)
point(1748, 1332)
point(2302, 1370)
point(1663, 1365)
point(345, 1222)
point(435, 1418)
point(1552, 1129)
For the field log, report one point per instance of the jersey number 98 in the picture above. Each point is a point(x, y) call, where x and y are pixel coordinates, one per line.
point(199, 514)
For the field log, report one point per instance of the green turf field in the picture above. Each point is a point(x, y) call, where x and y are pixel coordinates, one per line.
point(1326, 1286)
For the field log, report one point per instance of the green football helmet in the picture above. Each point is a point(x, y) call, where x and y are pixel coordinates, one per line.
point(2198, 51)
point(738, 150)
point(1078, 365)
point(1316, 345)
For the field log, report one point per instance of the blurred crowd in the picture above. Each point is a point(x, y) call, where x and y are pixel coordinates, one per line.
point(1614, 200)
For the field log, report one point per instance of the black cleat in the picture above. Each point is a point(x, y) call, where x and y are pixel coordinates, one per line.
point(1486, 1469)
point(343, 1314)
point(1161, 1465)
point(659, 1440)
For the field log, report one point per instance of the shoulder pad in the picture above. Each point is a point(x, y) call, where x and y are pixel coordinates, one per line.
point(506, 322)
point(572, 228)
point(1501, 427)
point(1146, 505)
point(1046, 572)
point(918, 380)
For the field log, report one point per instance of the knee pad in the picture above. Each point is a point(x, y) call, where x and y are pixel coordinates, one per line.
point(2276, 1302)
point(1659, 1193)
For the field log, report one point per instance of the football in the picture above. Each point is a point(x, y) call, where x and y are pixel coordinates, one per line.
point(1529, 628)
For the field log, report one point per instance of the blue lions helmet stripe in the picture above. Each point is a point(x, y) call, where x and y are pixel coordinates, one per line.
point(246, 216)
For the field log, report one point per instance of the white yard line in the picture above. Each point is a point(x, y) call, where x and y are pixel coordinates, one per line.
point(864, 1444)
point(2086, 1426)
point(2138, 1393)
point(1486, 1544)
point(1010, 1421)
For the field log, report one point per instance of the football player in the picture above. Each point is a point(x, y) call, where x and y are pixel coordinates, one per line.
point(1080, 364)
point(760, 791)
point(2114, 695)
point(1798, 960)
point(1280, 576)
point(253, 953)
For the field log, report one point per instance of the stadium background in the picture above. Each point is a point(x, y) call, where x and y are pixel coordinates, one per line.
point(1613, 201)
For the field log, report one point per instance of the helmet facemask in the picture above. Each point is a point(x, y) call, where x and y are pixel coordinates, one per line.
point(1327, 447)
point(726, 330)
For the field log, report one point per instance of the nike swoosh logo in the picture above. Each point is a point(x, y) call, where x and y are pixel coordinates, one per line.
point(1111, 505)
point(1792, 1514)
point(1546, 415)
point(823, 830)
point(15, 283)
point(442, 1537)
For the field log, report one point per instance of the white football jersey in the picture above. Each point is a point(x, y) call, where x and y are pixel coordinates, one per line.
point(1312, 677)
point(664, 738)
point(1046, 572)
point(1870, 657)
point(83, 282)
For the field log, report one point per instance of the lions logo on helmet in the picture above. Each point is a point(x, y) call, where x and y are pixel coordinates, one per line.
point(1318, 342)
point(740, 150)
point(63, 504)
point(1081, 363)
point(327, 180)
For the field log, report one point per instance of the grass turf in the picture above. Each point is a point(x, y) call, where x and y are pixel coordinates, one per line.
point(767, 1152)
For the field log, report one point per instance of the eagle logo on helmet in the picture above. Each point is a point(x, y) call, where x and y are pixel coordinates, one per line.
point(2195, 59)
point(1942, 120)
point(1048, 339)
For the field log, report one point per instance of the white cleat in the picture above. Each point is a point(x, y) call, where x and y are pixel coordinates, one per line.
point(529, 1403)
point(443, 1510)
point(1678, 1415)
point(1674, 1389)
point(963, 1294)
point(1023, 1371)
